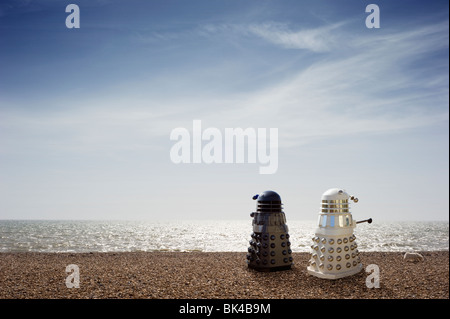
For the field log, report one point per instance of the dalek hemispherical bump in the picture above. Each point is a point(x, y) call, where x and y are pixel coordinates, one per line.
point(335, 236)
point(269, 223)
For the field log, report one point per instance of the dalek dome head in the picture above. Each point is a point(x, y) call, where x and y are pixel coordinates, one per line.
point(268, 196)
point(268, 202)
point(335, 194)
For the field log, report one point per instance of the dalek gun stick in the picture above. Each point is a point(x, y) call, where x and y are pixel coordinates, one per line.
point(334, 252)
point(365, 221)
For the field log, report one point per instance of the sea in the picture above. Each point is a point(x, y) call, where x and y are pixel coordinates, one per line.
point(202, 235)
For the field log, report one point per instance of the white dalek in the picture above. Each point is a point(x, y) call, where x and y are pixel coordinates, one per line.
point(334, 252)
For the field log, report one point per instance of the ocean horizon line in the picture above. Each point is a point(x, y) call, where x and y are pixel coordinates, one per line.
point(202, 219)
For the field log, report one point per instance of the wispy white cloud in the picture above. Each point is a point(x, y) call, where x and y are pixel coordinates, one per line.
point(373, 88)
point(319, 39)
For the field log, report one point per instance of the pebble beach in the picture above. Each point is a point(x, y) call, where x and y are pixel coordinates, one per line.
point(212, 275)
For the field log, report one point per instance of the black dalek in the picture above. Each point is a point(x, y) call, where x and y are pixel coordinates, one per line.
point(270, 246)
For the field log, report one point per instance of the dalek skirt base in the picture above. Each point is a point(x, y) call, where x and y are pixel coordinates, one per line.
point(334, 255)
point(334, 252)
point(269, 248)
point(352, 272)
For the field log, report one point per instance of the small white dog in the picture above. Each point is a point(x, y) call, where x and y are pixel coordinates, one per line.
point(413, 257)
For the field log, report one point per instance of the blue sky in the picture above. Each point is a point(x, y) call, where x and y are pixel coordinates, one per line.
point(86, 114)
